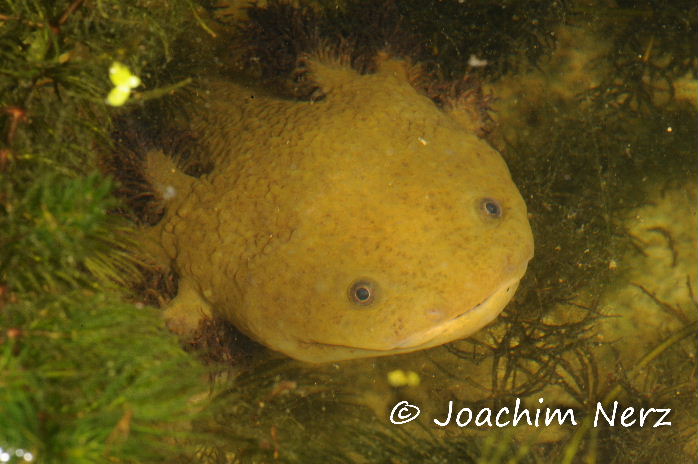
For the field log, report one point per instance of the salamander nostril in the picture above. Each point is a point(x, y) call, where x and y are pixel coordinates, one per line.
point(436, 314)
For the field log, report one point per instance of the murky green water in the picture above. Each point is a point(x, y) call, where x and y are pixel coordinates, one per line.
point(600, 137)
point(594, 109)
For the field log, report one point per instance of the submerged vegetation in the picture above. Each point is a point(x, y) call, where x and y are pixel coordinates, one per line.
point(80, 367)
point(88, 374)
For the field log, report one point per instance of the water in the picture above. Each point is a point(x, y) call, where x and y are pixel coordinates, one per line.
point(601, 139)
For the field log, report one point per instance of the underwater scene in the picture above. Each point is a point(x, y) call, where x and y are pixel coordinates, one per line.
point(348, 231)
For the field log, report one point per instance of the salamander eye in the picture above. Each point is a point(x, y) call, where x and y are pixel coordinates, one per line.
point(362, 292)
point(491, 207)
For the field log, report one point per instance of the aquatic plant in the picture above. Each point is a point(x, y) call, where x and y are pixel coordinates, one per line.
point(81, 368)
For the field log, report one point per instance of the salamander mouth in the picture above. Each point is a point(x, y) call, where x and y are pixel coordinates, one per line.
point(457, 327)
point(443, 327)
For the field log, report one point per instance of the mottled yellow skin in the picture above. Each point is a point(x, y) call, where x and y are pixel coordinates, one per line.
point(373, 183)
